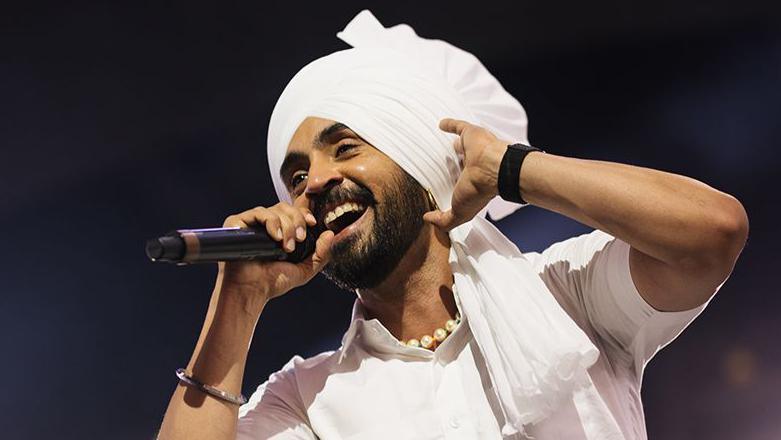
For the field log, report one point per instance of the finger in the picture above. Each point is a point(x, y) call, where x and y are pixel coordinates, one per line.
point(233, 221)
point(455, 126)
point(302, 203)
point(309, 218)
point(297, 217)
point(274, 228)
point(262, 216)
point(278, 225)
point(466, 201)
point(432, 217)
point(319, 258)
point(253, 217)
point(288, 232)
point(442, 220)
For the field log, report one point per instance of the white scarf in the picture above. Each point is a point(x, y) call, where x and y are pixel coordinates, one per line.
point(392, 88)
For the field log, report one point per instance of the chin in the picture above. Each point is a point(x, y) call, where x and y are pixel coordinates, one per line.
point(349, 250)
point(367, 251)
point(365, 260)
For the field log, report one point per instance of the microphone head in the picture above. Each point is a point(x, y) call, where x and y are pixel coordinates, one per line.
point(165, 248)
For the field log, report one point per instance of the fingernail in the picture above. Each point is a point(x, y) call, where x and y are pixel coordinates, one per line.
point(291, 244)
point(279, 233)
point(310, 218)
point(300, 233)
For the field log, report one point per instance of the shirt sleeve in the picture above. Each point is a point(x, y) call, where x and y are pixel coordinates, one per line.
point(274, 411)
point(590, 277)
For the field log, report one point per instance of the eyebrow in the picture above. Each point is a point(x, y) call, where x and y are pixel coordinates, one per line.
point(326, 136)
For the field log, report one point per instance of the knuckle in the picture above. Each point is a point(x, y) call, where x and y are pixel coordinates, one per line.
point(284, 221)
point(231, 220)
point(259, 210)
point(275, 210)
point(295, 212)
point(298, 218)
point(282, 214)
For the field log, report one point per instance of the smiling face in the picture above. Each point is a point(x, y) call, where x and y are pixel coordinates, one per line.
point(374, 207)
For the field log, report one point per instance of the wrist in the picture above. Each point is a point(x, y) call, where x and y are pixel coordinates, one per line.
point(243, 299)
point(535, 166)
point(237, 296)
point(494, 154)
point(509, 173)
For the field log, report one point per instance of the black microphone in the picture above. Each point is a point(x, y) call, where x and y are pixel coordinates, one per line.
point(185, 246)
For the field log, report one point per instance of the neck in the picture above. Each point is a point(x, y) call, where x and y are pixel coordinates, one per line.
point(416, 297)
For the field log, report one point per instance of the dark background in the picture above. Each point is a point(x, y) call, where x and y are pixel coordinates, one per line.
point(123, 120)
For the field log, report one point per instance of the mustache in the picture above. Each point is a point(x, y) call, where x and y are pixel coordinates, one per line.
point(342, 193)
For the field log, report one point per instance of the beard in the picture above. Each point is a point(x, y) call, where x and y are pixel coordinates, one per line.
point(365, 259)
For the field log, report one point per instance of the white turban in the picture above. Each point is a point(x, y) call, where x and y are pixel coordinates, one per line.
point(392, 88)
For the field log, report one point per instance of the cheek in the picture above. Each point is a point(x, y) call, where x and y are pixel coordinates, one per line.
point(374, 172)
point(366, 173)
point(376, 169)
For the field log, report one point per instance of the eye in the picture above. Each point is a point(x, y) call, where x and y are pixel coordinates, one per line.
point(297, 178)
point(344, 148)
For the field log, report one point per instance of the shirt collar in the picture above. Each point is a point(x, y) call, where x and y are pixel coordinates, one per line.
point(376, 336)
point(371, 335)
point(349, 335)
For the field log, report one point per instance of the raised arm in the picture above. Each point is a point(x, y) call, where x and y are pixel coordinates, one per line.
point(241, 292)
point(684, 235)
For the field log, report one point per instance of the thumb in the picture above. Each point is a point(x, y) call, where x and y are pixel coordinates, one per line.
point(455, 126)
point(443, 220)
point(322, 254)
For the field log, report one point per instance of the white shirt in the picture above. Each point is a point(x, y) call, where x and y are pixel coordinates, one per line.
point(373, 387)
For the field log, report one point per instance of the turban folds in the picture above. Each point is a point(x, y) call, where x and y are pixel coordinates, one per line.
point(392, 88)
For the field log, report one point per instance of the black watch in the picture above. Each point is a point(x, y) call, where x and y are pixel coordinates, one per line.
point(510, 172)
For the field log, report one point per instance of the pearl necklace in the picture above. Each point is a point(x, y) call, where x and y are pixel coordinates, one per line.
point(430, 342)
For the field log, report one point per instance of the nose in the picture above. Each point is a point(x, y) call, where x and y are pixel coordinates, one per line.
point(322, 175)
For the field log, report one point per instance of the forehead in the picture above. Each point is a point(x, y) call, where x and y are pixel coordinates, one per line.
point(307, 134)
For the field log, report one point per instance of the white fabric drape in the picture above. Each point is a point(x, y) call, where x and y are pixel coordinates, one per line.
point(392, 88)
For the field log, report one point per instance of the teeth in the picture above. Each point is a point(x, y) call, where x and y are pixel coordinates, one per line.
point(341, 209)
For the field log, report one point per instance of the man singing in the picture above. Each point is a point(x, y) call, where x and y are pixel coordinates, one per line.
point(392, 152)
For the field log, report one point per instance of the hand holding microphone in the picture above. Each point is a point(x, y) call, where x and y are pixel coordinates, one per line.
point(212, 245)
point(269, 249)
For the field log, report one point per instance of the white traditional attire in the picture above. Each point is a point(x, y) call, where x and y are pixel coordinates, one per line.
point(551, 345)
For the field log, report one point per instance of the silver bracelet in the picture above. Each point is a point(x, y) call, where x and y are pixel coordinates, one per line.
point(181, 373)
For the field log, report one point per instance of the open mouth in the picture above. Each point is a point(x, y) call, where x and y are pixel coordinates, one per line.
point(339, 217)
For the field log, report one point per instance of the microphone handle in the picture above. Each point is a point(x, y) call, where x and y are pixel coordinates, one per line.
point(186, 246)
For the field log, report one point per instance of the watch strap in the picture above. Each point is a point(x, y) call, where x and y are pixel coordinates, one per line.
point(510, 172)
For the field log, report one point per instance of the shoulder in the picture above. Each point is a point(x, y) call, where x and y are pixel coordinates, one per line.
point(299, 370)
point(288, 385)
point(277, 408)
point(577, 251)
